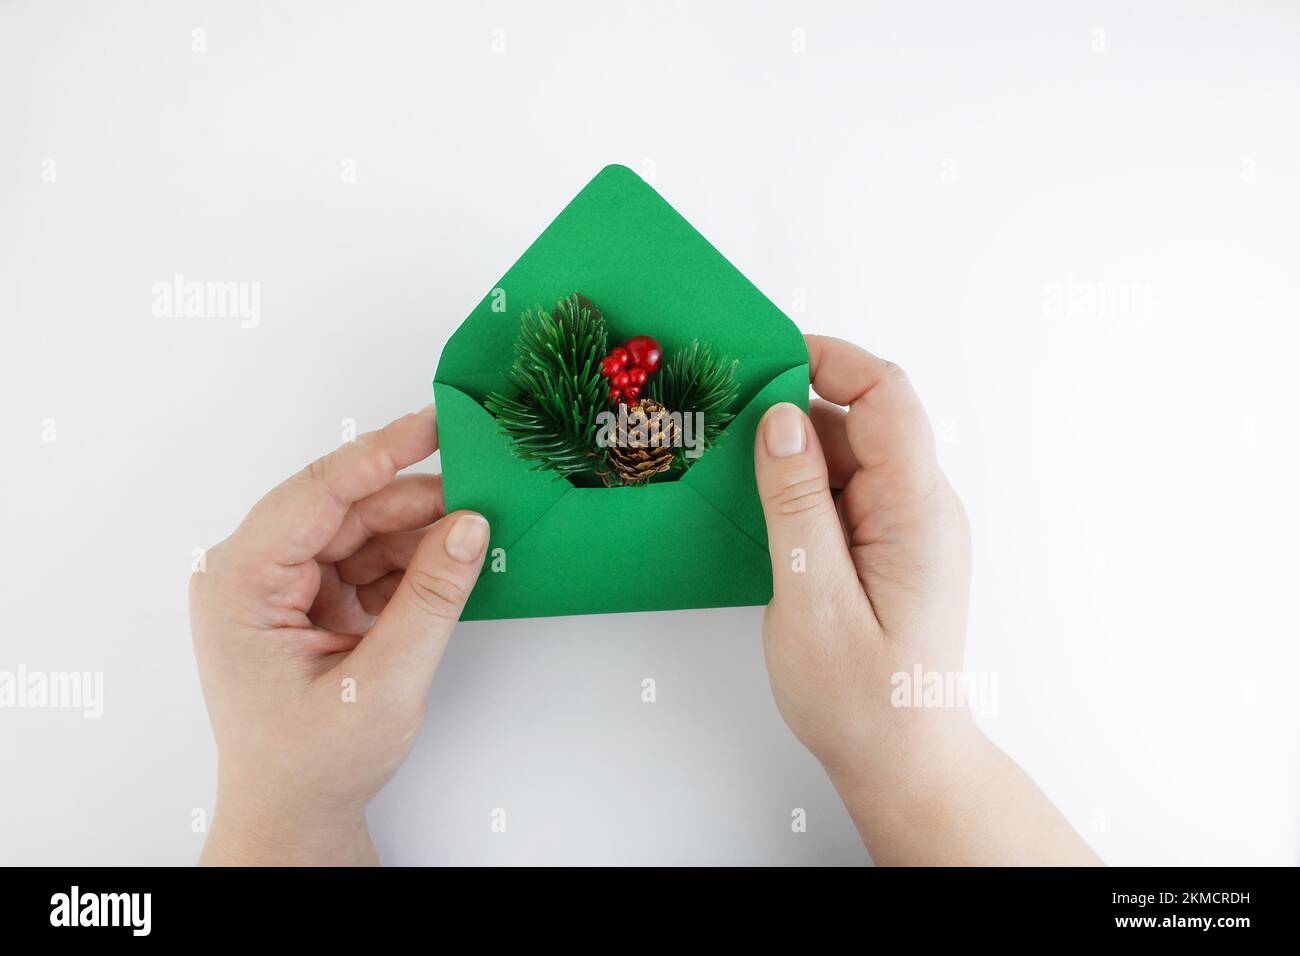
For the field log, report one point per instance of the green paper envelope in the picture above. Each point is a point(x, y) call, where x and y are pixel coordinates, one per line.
point(698, 541)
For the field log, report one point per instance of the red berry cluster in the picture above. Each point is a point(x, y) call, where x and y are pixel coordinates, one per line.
point(629, 366)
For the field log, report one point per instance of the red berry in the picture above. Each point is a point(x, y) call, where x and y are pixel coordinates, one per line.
point(632, 393)
point(621, 356)
point(645, 352)
point(622, 380)
point(610, 367)
point(614, 394)
point(638, 375)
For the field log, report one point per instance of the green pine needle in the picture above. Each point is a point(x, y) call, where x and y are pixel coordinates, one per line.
point(552, 418)
point(558, 391)
point(697, 380)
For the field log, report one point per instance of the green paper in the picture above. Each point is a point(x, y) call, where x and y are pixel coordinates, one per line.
point(699, 541)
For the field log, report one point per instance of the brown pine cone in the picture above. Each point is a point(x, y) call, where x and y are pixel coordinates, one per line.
point(645, 446)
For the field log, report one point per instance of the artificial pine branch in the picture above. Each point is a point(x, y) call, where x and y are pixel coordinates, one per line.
point(697, 380)
point(556, 374)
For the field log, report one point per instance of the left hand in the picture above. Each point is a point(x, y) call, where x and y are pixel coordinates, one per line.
point(316, 652)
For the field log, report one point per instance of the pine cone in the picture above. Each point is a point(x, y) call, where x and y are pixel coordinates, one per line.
point(645, 446)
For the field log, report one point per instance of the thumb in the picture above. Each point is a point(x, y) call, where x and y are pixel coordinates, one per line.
point(407, 641)
point(810, 559)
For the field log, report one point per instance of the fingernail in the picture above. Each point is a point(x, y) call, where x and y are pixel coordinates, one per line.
point(467, 538)
point(783, 431)
point(427, 410)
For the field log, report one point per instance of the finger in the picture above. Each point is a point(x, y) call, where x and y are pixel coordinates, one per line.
point(810, 560)
point(337, 607)
point(831, 423)
point(381, 554)
point(407, 642)
point(374, 597)
point(889, 434)
point(887, 427)
point(300, 516)
point(411, 501)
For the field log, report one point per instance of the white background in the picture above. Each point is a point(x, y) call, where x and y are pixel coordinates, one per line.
point(925, 178)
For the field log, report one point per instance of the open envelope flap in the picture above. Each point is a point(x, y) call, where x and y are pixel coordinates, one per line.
point(724, 476)
point(647, 269)
point(686, 554)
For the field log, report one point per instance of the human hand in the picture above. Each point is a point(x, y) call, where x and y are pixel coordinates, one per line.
point(883, 589)
point(316, 652)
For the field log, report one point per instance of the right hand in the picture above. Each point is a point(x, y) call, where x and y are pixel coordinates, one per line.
point(887, 571)
point(875, 585)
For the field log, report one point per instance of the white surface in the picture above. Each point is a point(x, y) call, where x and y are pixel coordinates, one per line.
point(924, 174)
